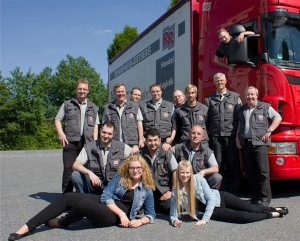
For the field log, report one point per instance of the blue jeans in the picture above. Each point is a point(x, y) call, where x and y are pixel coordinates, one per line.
point(83, 184)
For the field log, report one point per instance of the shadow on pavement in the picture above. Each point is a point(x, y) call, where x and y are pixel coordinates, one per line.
point(46, 196)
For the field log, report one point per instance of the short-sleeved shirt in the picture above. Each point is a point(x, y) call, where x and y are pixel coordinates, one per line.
point(157, 105)
point(223, 49)
point(83, 158)
point(120, 110)
point(271, 114)
point(61, 115)
point(210, 162)
point(172, 165)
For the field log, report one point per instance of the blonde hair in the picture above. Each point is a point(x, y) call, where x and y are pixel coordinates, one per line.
point(189, 87)
point(83, 81)
point(191, 194)
point(221, 30)
point(123, 171)
point(249, 88)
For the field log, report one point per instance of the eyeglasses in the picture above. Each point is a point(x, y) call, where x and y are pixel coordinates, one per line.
point(135, 168)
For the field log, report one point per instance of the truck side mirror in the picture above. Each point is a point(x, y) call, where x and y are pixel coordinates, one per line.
point(245, 52)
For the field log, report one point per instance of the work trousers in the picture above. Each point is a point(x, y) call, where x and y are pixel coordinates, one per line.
point(214, 180)
point(80, 205)
point(70, 152)
point(236, 210)
point(83, 184)
point(161, 206)
point(255, 159)
point(226, 154)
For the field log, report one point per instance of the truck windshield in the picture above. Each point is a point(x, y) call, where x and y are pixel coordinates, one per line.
point(283, 35)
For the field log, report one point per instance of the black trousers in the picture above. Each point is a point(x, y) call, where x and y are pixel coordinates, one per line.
point(161, 206)
point(257, 171)
point(80, 205)
point(70, 152)
point(226, 154)
point(236, 210)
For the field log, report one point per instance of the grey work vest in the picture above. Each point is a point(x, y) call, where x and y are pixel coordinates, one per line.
point(95, 159)
point(72, 120)
point(188, 117)
point(200, 158)
point(128, 121)
point(160, 119)
point(222, 114)
point(258, 123)
point(160, 168)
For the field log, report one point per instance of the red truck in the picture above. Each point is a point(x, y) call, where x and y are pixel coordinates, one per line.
point(179, 48)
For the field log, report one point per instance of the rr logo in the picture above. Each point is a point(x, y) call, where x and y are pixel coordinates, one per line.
point(169, 37)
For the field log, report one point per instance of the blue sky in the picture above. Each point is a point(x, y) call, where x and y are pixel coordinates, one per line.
point(40, 33)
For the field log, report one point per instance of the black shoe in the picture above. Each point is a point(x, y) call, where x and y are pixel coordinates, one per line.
point(15, 236)
point(262, 202)
point(283, 211)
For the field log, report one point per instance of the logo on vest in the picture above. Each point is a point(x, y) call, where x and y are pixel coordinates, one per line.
point(131, 115)
point(115, 162)
point(261, 117)
point(230, 107)
point(165, 114)
point(200, 117)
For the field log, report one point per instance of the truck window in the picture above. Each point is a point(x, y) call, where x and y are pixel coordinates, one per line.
point(283, 36)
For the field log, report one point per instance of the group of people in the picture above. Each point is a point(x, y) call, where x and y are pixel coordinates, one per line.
point(162, 157)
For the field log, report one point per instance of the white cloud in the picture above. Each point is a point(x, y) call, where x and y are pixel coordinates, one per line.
point(103, 31)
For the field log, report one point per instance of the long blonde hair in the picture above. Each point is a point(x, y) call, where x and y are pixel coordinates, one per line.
point(191, 193)
point(126, 180)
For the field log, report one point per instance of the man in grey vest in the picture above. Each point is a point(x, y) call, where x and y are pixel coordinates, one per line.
point(178, 98)
point(99, 161)
point(127, 117)
point(253, 137)
point(163, 165)
point(159, 114)
point(191, 113)
point(223, 106)
point(136, 94)
point(201, 157)
point(81, 120)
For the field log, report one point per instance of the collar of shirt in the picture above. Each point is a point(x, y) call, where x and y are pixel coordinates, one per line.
point(196, 149)
point(158, 103)
point(105, 149)
point(250, 107)
point(221, 95)
point(118, 106)
point(82, 102)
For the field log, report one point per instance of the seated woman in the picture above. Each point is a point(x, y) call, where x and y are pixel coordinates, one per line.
point(192, 191)
point(128, 192)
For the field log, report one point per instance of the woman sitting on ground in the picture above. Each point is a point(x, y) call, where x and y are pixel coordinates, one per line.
point(125, 195)
point(192, 191)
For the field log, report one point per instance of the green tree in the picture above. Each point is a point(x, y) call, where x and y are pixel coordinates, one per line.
point(29, 102)
point(22, 112)
point(174, 2)
point(121, 40)
point(62, 84)
point(4, 99)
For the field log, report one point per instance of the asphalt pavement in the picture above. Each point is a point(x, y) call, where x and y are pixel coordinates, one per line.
point(30, 180)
